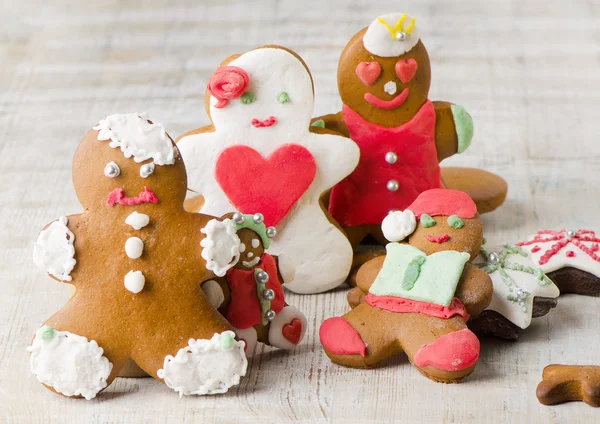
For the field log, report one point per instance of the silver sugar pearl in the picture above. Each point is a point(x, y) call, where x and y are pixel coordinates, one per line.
point(262, 277)
point(392, 185)
point(571, 233)
point(400, 36)
point(112, 170)
point(391, 157)
point(238, 218)
point(146, 170)
point(258, 218)
point(268, 294)
point(493, 258)
point(270, 315)
point(271, 232)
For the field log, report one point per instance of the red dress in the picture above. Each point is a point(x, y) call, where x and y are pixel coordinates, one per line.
point(364, 196)
point(244, 309)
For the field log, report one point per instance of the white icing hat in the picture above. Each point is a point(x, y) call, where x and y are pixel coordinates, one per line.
point(391, 35)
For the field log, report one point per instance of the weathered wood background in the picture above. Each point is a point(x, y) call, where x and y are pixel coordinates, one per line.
point(527, 70)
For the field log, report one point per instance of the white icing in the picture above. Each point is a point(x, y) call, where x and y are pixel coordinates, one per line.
point(136, 137)
point(380, 42)
point(214, 293)
point(319, 253)
point(137, 220)
point(221, 246)
point(252, 263)
point(283, 317)
point(69, 363)
point(135, 281)
point(255, 243)
point(390, 87)
point(513, 311)
point(54, 252)
point(242, 247)
point(134, 247)
point(249, 254)
point(249, 337)
point(398, 225)
point(205, 366)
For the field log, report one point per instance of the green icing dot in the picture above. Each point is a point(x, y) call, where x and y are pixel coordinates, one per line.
point(318, 123)
point(413, 270)
point(455, 222)
point(247, 98)
point(427, 221)
point(283, 97)
point(226, 341)
point(45, 333)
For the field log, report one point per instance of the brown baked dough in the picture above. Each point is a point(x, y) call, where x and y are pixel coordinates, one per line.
point(568, 383)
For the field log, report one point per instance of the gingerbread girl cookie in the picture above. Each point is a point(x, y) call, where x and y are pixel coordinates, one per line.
point(259, 155)
point(383, 80)
point(136, 259)
point(570, 258)
point(251, 295)
point(570, 383)
point(419, 296)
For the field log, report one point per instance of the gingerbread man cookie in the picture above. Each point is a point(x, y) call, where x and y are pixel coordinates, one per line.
point(251, 295)
point(419, 296)
point(569, 383)
point(571, 258)
point(136, 259)
point(259, 155)
point(383, 80)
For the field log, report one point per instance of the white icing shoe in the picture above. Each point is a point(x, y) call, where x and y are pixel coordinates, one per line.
point(287, 328)
point(69, 363)
point(249, 337)
point(206, 367)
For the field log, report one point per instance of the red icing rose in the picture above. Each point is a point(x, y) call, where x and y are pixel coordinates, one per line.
point(227, 83)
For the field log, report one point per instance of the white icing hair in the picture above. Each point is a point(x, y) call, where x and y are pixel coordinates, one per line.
point(378, 39)
point(398, 225)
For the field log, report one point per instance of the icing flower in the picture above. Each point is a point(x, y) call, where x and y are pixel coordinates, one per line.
point(227, 83)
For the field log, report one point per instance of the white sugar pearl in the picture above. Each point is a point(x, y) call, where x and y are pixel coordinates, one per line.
point(134, 246)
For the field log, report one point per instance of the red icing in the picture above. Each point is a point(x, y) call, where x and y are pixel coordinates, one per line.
point(227, 83)
point(406, 69)
point(338, 337)
point(440, 238)
point(451, 352)
point(272, 185)
point(562, 239)
point(244, 309)
point(368, 72)
point(292, 331)
point(408, 306)
point(444, 202)
point(570, 254)
point(387, 104)
point(264, 124)
point(595, 247)
point(535, 249)
point(117, 197)
point(363, 197)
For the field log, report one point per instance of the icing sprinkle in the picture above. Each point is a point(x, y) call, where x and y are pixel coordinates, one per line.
point(562, 239)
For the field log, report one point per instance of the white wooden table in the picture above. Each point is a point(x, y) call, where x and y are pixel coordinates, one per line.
point(527, 70)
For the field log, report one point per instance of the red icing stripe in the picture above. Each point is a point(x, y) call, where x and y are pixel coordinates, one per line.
point(438, 239)
point(451, 352)
point(264, 124)
point(387, 104)
point(340, 338)
point(117, 197)
point(408, 306)
point(562, 239)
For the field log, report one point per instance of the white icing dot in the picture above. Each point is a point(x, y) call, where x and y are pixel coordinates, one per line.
point(134, 246)
point(249, 254)
point(390, 88)
point(242, 247)
point(137, 220)
point(135, 281)
point(255, 243)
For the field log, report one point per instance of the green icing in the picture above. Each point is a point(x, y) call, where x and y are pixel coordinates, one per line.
point(435, 282)
point(464, 127)
point(412, 272)
point(426, 221)
point(226, 341)
point(283, 97)
point(318, 123)
point(259, 229)
point(45, 333)
point(247, 98)
point(455, 222)
point(265, 304)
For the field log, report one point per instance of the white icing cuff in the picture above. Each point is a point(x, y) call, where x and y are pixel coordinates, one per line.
point(391, 35)
point(221, 247)
point(283, 318)
point(396, 226)
point(69, 363)
point(54, 252)
point(206, 367)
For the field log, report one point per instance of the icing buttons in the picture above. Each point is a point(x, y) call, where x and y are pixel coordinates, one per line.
point(134, 247)
point(135, 281)
point(137, 220)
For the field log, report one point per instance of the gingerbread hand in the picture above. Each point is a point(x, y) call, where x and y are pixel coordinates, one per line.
point(453, 129)
point(568, 383)
point(474, 289)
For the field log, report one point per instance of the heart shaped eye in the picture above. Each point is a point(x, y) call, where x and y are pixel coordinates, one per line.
point(406, 69)
point(368, 72)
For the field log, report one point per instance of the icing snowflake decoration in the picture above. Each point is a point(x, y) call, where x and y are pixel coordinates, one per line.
point(553, 250)
point(516, 282)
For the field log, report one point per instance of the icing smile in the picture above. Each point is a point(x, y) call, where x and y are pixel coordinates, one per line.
point(440, 238)
point(270, 121)
point(117, 197)
point(387, 104)
point(252, 263)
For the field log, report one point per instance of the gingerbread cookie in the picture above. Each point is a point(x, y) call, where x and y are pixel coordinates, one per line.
point(259, 155)
point(136, 259)
point(252, 297)
point(521, 292)
point(419, 296)
point(383, 80)
point(570, 258)
point(568, 383)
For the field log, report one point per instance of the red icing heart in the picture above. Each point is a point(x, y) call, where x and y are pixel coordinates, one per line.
point(292, 331)
point(406, 69)
point(368, 72)
point(270, 186)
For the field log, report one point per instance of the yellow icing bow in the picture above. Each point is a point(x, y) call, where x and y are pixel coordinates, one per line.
point(399, 27)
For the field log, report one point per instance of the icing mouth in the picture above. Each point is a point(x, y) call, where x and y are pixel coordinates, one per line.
point(440, 238)
point(387, 104)
point(252, 263)
point(117, 197)
point(270, 121)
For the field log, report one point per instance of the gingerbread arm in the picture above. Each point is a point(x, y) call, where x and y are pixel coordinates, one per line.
point(453, 129)
point(474, 289)
point(216, 291)
point(333, 122)
point(567, 383)
point(368, 272)
point(55, 249)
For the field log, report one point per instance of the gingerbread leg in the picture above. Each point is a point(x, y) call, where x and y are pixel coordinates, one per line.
point(487, 190)
point(250, 337)
point(567, 383)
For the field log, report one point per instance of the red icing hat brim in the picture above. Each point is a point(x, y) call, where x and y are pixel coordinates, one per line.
point(441, 201)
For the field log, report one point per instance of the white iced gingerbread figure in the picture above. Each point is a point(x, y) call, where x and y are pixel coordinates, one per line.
point(260, 155)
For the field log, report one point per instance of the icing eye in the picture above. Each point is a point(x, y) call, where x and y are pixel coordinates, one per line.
point(247, 98)
point(146, 170)
point(283, 97)
point(455, 222)
point(427, 221)
point(112, 170)
point(242, 247)
point(255, 243)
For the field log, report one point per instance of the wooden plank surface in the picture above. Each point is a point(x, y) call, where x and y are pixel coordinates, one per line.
point(527, 70)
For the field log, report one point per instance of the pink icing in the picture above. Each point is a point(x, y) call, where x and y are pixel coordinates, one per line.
point(408, 306)
point(340, 338)
point(440, 238)
point(387, 104)
point(368, 72)
point(562, 240)
point(117, 197)
point(451, 352)
point(406, 69)
point(570, 254)
point(264, 124)
point(445, 202)
point(227, 83)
